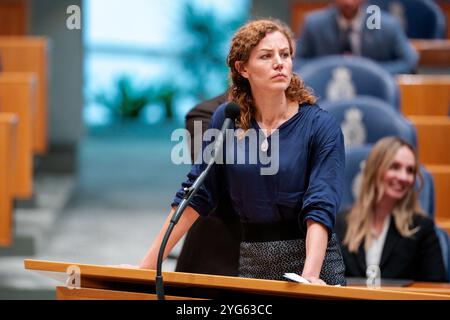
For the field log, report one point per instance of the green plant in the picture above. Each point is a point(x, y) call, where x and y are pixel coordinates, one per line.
point(205, 53)
point(166, 94)
point(128, 102)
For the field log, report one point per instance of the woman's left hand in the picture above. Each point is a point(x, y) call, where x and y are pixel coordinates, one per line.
point(314, 280)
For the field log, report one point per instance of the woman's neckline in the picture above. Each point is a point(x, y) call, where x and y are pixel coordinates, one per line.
point(285, 123)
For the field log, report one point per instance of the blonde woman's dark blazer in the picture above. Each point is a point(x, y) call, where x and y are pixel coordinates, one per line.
point(418, 257)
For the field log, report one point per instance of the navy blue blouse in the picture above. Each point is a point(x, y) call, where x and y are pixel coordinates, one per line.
point(308, 184)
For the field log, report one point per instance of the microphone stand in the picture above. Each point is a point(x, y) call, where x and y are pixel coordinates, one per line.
point(188, 194)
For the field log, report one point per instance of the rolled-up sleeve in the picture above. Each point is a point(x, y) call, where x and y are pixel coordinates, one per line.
point(322, 198)
point(206, 197)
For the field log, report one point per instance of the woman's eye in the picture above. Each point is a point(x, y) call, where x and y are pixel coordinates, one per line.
point(395, 166)
point(266, 56)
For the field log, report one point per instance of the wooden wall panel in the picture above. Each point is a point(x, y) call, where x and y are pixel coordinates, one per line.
point(300, 10)
point(13, 17)
point(445, 6)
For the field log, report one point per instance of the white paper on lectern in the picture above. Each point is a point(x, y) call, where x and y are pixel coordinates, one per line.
point(295, 277)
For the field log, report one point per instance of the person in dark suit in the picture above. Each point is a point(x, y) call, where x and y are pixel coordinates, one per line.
point(344, 29)
point(212, 243)
point(386, 226)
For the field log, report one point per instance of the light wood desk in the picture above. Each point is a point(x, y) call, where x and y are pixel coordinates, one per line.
point(405, 286)
point(433, 53)
point(103, 282)
point(424, 95)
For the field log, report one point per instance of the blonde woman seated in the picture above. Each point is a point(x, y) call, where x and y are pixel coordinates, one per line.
point(386, 226)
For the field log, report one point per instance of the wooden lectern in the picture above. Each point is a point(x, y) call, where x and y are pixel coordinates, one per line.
point(104, 282)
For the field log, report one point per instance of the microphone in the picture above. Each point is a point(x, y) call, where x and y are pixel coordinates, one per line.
point(232, 112)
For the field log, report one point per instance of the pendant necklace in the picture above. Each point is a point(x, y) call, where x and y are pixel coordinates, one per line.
point(265, 144)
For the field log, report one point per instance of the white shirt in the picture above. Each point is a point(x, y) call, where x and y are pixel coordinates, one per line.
point(373, 254)
point(355, 35)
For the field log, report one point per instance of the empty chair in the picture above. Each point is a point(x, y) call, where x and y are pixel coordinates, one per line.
point(365, 120)
point(339, 77)
point(421, 19)
point(354, 163)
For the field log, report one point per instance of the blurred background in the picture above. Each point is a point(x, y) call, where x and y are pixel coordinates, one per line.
point(117, 88)
point(104, 83)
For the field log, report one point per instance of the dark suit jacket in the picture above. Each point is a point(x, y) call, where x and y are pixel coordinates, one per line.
point(388, 45)
point(416, 258)
point(202, 112)
point(212, 244)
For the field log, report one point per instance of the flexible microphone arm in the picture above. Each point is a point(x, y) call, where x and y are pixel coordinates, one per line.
point(231, 112)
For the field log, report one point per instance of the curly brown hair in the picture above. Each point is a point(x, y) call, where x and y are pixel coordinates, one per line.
point(243, 42)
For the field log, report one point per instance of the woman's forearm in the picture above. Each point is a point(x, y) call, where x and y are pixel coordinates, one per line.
point(186, 220)
point(316, 246)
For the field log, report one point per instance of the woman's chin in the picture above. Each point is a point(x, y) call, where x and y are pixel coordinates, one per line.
point(396, 195)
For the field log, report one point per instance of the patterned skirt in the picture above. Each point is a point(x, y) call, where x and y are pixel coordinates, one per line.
point(271, 259)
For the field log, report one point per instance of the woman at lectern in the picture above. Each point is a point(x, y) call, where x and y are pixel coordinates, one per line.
point(386, 228)
point(287, 209)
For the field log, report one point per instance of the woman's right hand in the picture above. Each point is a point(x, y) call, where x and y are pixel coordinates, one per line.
point(146, 264)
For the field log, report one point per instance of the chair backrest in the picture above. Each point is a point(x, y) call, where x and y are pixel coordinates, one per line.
point(444, 241)
point(354, 163)
point(421, 19)
point(338, 77)
point(365, 120)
